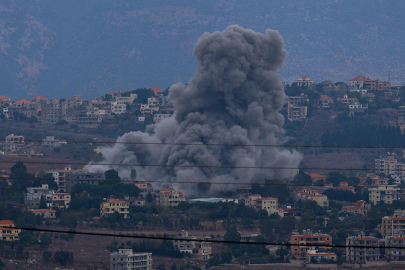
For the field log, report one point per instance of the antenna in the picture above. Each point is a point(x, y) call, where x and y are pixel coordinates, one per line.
point(389, 77)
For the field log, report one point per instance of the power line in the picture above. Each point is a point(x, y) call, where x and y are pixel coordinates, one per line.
point(198, 240)
point(225, 145)
point(194, 166)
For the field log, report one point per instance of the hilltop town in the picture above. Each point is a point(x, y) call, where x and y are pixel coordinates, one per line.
point(344, 206)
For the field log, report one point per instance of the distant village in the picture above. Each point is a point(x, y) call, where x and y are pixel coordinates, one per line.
point(324, 209)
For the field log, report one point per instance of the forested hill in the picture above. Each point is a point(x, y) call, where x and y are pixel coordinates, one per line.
point(87, 47)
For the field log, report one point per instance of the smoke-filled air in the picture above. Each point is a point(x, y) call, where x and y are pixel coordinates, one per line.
point(234, 98)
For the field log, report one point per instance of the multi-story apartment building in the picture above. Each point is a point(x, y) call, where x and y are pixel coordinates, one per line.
point(389, 166)
point(395, 248)
point(113, 205)
point(360, 208)
point(401, 115)
point(32, 198)
point(45, 213)
point(73, 102)
point(127, 100)
point(81, 177)
point(118, 107)
point(393, 225)
point(61, 200)
point(52, 111)
point(188, 244)
point(311, 194)
point(383, 193)
point(170, 197)
point(296, 113)
point(325, 101)
point(356, 108)
point(8, 232)
point(297, 100)
point(357, 82)
point(346, 101)
point(153, 101)
point(148, 109)
point(125, 259)
point(308, 241)
point(145, 187)
point(258, 203)
point(12, 143)
point(360, 249)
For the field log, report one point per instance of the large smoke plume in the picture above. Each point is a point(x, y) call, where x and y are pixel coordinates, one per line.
point(233, 99)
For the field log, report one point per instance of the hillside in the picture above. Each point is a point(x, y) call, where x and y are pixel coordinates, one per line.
point(88, 47)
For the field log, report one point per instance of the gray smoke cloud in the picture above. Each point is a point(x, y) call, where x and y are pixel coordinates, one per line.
point(234, 98)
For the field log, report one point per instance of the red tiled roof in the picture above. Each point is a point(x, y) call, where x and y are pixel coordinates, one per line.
point(325, 97)
point(40, 97)
point(6, 222)
point(317, 175)
point(365, 239)
point(357, 78)
point(23, 101)
point(3, 97)
point(42, 211)
point(156, 89)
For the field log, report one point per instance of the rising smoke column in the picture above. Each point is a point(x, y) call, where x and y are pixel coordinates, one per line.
point(234, 98)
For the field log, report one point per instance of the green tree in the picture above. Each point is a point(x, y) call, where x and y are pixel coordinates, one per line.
point(42, 204)
point(161, 267)
point(47, 256)
point(21, 179)
point(174, 267)
point(149, 198)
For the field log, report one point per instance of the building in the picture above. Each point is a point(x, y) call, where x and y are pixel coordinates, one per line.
point(127, 100)
point(393, 225)
point(83, 177)
point(153, 101)
point(52, 111)
point(346, 100)
point(32, 198)
point(384, 193)
point(61, 200)
point(360, 208)
point(395, 248)
point(113, 205)
point(45, 213)
point(297, 100)
point(144, 187)
point(125, 259)
point(50, 141)
point(401, 115)
point(12, 143)
point(147, 109)
point(325, 101)
point(188, 244)
point(357, 108)
point(156, 90)
point(73, 102)
point(313, 254)
point(170, 197)
point(389, 166)
point(4, 100)
point(118, 107)
point(160, 116)
point(8, 232)
point(258, 203)
point(360, 249)
point(343, 185)
point(311, 194)
point(299, 242)
point(357, 82)
point(296, 113)
point(304, 82)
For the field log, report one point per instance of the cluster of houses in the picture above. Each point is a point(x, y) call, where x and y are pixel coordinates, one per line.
point(89, 113)
point(297, 106)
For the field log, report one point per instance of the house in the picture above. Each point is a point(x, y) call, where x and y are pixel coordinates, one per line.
point(357, 108)
point(304, 82)
point(126, 259)
point(401, 115)
point(73, 102)
point(127, 100)
point(310, 194)
point(148, 109)
point(8, 232)
point(296, 113)
point(384, 193)
point(52, 111)
point(346, 100)
point(113, 205)
point(325, 101)
point(393, 225)
point(170, 197)
point(61, 200)
point(143, 186)
point(12, 143)
point(360, 249)
point(39, 98)
point(22, 103)
point(50, 141)
point(45, 213)
point(297, 100)
point(357, 82)
point(258, 203)
point(187, 244)
point(153, 101)
point(4, 100)
point(156, 90)
point(360, 208)
point(301, 243)
point(343, 185)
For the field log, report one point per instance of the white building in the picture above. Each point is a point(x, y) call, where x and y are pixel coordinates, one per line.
point(50, 141)
point(193, 245)
point(118, 107)
point(125, 259)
